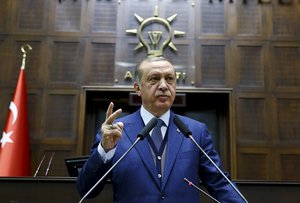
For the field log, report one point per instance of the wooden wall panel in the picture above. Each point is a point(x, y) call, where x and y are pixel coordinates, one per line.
point(249, 18)
point(30, 16)
point(213, 18)
point(288, 120)
point(60, 115)
point(251, 69)
point(213, 65)
point(104, 17)
point(251, 120)
point(68, 16)
point(286, 63)
point(289, 165)
point(100, 64)
point(65, 62)
point(4, 16)
point(254, 164)
point(285, 19)
point(4, 60)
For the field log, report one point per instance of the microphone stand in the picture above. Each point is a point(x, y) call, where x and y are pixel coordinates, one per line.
point(113, 166)
point(39, 166)
point(187, 133)
point(194, 141)
point(192, 184)
point(49, 164)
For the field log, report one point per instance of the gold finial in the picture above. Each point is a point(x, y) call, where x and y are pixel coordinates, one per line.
point(25, 48)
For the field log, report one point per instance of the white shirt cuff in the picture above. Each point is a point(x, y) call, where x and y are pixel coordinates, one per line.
point(106, 156)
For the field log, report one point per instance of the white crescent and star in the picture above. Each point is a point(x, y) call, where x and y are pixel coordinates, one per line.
point(6, 136)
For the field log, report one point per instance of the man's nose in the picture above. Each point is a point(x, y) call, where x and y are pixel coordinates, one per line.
point(163, 85)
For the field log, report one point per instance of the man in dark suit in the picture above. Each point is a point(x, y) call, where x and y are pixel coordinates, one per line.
point(150, 173)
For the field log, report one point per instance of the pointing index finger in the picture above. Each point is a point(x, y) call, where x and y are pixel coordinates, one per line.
point(109, 110)
point(110, 115)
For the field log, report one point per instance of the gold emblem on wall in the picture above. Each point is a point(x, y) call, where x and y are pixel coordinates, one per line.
point(155, 47)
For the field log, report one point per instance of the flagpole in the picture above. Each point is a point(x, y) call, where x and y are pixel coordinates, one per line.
point(15, 143)
point(29, 48)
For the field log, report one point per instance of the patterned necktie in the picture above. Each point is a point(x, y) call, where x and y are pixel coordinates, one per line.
point(156, 133)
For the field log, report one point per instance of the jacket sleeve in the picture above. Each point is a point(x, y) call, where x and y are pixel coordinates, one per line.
point(212, 179)
point(92, 171)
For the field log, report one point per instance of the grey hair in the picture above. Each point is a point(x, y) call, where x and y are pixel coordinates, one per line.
point(138, 71)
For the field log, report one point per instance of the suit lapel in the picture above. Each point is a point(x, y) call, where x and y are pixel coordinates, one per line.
point(175, 139)
point(132, 128)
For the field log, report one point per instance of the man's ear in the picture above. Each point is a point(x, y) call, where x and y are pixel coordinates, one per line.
point(137, 89)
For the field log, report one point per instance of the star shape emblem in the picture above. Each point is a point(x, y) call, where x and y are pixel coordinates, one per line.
point(6, 138)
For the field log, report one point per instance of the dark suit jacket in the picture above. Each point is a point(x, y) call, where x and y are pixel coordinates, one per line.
point(135, 178)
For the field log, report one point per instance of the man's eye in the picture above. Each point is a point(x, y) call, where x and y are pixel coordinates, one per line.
point(170, 79)
point(154, 79)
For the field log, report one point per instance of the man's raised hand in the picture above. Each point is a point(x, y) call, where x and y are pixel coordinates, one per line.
point(111, 132)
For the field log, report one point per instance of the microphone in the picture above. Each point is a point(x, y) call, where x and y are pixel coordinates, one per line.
point(192, 184)
point(188, 133)
point(144, 132)
point(39, 166)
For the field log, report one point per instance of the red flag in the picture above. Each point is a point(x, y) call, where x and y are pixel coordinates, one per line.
point(14, 144)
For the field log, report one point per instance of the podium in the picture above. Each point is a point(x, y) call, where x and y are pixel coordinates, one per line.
point(45, 190)
point(63, 190)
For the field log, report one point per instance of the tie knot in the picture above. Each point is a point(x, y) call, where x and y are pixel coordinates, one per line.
point(160, 123)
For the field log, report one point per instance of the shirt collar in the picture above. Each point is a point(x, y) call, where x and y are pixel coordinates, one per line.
point(147, 116)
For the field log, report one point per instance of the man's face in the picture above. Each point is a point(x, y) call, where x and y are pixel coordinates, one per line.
point(158, 86)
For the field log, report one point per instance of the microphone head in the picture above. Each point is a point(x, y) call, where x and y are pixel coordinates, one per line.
point(181, 126)
point(145, 131)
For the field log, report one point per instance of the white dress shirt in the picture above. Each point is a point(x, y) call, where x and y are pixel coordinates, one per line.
point(146, 116)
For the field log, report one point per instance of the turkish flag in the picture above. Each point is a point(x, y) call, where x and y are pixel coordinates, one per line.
point(14, 144)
